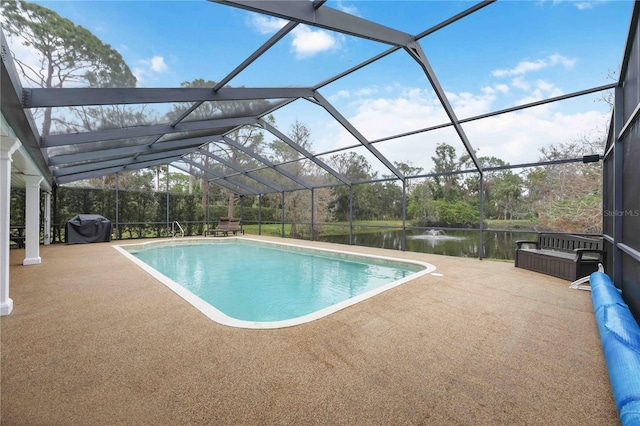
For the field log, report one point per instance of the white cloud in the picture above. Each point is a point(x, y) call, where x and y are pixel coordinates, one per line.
point(351, 10)
point(521, 83)
point(139, 73)
point(579, 4)
point(158, 65)
point(340, 94)
point(522, 68)
point(488, 90)
point(377, 116)
point(357, 94)
point(545, 86)
point(468, 105)
point(518, 137)
point(367, 91)
point(590, 4)
point(148, 69)
point(514, 137)
point(308, 42)
point(556, 59)
point(539, 90)
point(525, 67)
point(266, 24)
point(583, 5)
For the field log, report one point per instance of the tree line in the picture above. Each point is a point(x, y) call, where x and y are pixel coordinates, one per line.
point(562, 197)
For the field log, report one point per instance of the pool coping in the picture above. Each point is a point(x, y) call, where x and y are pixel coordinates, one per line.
point(221, 318)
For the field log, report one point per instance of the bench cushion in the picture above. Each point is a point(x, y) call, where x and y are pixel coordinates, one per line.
point(563, 254)
point(552, 253)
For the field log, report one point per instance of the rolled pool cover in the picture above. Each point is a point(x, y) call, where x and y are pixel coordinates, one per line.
point(620, 336)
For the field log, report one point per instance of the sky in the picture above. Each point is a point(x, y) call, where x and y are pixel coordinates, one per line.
point(507, 54)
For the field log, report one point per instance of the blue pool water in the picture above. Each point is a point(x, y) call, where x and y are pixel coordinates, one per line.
point(259, 282)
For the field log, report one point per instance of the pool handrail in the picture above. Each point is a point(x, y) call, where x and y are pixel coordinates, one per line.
point(173, 229)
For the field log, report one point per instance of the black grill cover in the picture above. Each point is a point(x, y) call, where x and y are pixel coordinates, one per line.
point(87, 228)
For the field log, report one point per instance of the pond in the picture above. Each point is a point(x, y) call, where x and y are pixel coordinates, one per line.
point(497, 245)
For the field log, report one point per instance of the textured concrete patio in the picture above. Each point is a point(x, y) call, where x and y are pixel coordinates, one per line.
point(93, 339)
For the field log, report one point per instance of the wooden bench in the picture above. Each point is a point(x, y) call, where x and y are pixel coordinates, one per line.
point(225, 227)
point(565, 256)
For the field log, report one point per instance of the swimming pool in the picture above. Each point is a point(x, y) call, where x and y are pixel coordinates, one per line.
point(249, 283)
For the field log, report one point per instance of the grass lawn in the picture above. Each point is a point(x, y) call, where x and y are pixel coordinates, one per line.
point(334, 228)
point(512, 224)
point(370, 226)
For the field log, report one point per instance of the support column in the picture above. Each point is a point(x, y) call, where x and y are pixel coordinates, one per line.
point(32, 221)
point(7, 147)
point(117, 209)
point(56, 226)
point(47, 218)
point(312, 215)
point(481, 241)
point(208, 202)
point(259, 214)
point(282, 232)
point(168, 223)
point(350, 214)
point(403, 243)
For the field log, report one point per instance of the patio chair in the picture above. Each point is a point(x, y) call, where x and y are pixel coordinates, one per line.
point(234, 226)
point(222, 228)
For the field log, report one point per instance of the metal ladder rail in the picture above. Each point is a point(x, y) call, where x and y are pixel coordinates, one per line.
point(173, 229)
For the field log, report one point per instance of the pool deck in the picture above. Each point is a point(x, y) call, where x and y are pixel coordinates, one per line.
point(93, 339)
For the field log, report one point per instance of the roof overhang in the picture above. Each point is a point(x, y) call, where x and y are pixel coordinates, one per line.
point(18, 122)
